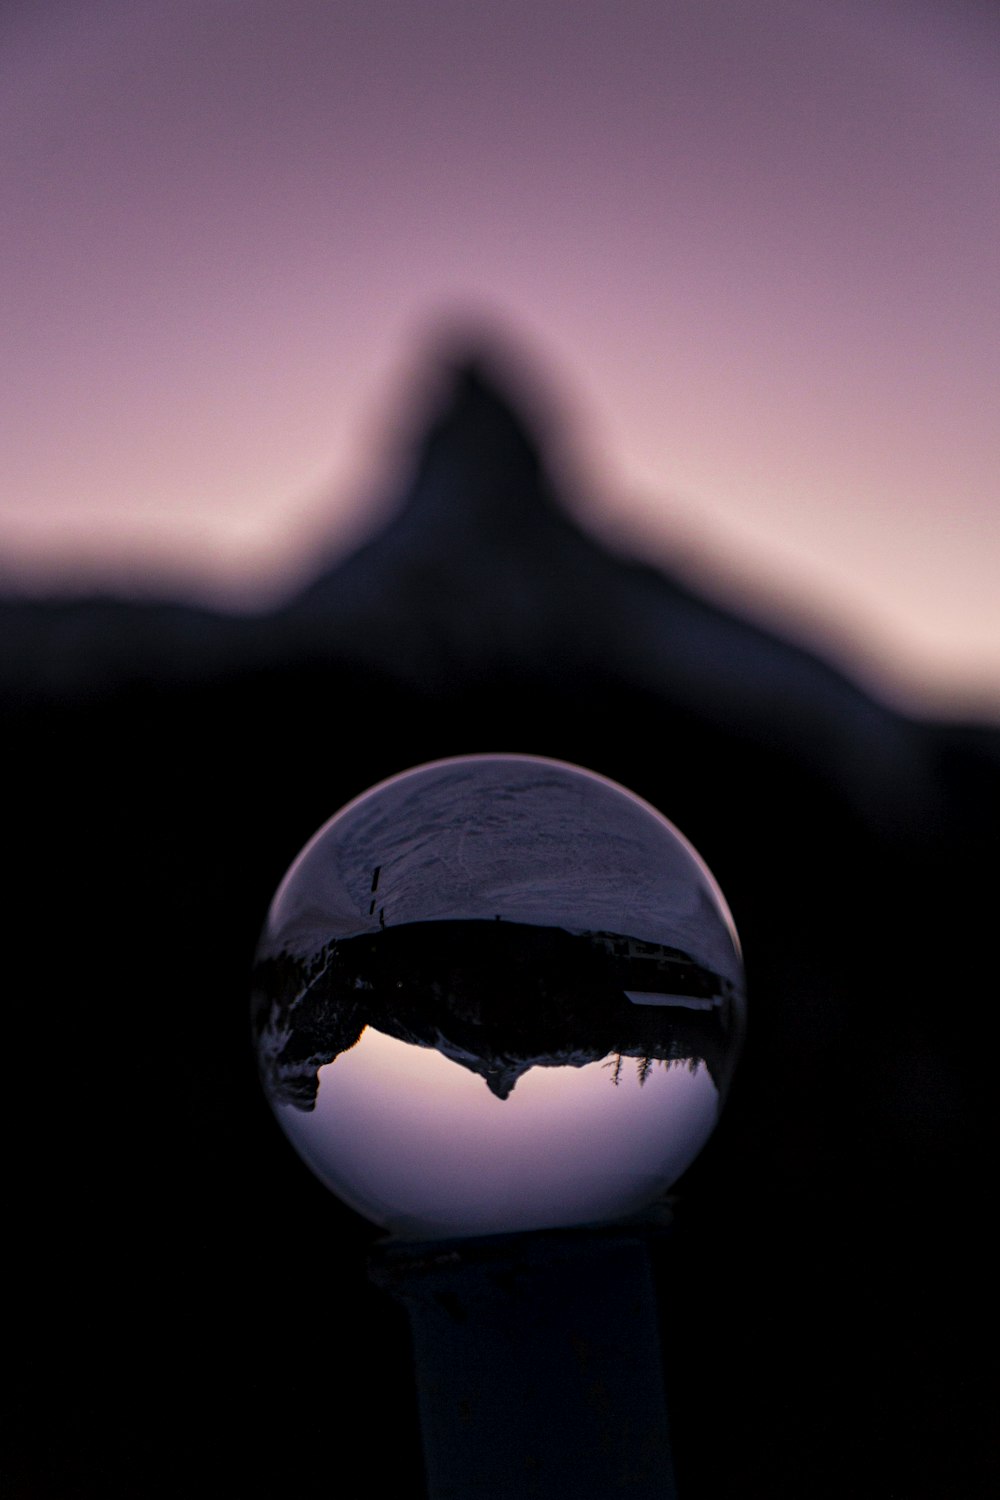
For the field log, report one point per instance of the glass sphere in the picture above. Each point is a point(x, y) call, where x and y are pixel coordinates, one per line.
point(497, 993)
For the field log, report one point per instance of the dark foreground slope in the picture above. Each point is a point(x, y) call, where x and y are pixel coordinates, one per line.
point(190, 1311)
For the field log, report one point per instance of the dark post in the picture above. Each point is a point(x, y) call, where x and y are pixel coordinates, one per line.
point(538, 1363)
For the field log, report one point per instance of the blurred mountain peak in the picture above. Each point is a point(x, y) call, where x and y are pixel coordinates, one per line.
point(483, 576)
point(474, 377)
point(479, 462)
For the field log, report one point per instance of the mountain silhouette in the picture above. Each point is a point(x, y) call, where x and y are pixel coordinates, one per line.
point(483, 573)
point(496, 997)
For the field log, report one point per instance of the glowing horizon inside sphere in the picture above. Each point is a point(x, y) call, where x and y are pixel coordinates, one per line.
point(497, 993)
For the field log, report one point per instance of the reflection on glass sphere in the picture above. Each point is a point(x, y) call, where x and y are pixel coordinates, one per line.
point(497, 993)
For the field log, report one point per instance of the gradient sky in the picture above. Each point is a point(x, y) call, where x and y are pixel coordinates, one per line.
point(415, 1141)
point(749, 248)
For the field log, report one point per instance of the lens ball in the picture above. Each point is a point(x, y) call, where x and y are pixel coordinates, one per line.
point(497, 993)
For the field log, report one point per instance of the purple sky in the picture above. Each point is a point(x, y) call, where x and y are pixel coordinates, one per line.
point(416, 1142)
point(750, 249)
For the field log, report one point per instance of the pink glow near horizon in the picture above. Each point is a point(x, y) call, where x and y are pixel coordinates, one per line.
point(411, 1138)
point(752, 248)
